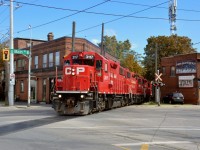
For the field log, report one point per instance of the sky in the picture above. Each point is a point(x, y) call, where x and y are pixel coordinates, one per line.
point(135, 20)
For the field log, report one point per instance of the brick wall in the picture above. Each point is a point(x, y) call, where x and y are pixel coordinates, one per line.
point(191, 94)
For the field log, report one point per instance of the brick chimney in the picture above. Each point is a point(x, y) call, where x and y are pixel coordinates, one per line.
point(50, 36)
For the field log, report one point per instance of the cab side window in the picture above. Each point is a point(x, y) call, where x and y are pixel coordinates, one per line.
point(98, 64)
point(67, 62)
point(106, 67)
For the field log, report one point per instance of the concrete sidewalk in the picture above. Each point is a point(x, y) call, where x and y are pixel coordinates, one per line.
point(22, 105)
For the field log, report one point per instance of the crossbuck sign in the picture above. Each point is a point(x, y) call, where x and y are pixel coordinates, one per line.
point(158, 77)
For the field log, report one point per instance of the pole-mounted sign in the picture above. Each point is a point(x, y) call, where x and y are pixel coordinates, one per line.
point(20, 51)
point(158, 77)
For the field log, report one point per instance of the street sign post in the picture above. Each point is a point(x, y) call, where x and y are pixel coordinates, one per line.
point(20, 51)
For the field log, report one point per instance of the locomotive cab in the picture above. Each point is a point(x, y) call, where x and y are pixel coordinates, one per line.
point(78, 73)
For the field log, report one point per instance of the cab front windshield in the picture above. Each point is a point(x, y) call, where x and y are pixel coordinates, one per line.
point(89, 62)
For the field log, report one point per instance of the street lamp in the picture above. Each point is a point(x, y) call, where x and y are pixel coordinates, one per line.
point(29, 69)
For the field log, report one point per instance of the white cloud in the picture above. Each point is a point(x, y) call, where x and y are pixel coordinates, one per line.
point(134, 45)
point(95, 41)
point(110, 32)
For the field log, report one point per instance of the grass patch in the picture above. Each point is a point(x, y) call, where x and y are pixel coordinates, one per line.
point(150, 103)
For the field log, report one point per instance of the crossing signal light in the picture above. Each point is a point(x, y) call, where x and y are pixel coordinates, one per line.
point(6, 54)
point(158, 84)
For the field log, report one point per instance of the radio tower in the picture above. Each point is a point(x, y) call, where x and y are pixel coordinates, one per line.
point(172, 15)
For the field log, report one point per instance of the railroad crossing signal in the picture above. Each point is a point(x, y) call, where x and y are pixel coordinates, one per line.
point(6, 54)
point(158, 77)
point(158, 84)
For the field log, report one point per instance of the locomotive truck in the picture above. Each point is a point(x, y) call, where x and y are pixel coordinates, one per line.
point(92, 83)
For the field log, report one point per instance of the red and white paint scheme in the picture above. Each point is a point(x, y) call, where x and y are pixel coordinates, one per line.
point(92, 83)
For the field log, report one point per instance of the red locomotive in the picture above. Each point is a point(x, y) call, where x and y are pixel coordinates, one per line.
point(91, 83)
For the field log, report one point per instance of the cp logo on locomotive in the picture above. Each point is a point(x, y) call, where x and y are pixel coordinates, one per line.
point(77, 70)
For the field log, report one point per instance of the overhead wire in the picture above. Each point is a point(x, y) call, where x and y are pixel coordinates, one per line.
point(66, 16)
point(130, 3)
point(196, 43)
point(122, 17)
point(99, 13)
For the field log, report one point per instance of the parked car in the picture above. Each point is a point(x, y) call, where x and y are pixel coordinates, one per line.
point(172, 98)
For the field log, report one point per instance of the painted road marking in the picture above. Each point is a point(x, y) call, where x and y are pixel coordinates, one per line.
point(174, 129)
point(153, 143)
point(124, 148)
point(144, 147)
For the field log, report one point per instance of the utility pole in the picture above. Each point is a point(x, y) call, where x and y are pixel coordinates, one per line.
point(102, 35)
point(11, 83)
point(29, 70)
point(172, 15)
point(73, 35)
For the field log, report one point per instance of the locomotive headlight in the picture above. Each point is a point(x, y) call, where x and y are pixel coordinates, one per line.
point(59, 96)
point(73, 69)
point(82, 96)
point(73, 73)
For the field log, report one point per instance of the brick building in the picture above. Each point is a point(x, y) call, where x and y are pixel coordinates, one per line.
point(46, 56)
point(182, 73)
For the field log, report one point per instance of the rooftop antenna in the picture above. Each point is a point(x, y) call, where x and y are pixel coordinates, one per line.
point(172, 15)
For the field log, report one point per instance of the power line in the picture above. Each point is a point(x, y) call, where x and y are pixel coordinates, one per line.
point(66, 16)
point(129, 3)
point(58, 8)
point(122, 17)
point(196, 43)
point(98, 13)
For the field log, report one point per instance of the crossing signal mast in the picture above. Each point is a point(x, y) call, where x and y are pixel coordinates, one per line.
point(172, 15)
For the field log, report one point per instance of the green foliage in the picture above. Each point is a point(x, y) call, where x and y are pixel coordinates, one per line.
point(115, 48)
point(166, 46)
point(121, 50)
point(1, 55)
point(130, 62)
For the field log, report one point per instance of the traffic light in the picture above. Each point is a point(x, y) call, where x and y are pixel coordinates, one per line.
point(6, 54)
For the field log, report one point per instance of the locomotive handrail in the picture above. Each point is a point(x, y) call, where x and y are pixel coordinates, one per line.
point(73, 92)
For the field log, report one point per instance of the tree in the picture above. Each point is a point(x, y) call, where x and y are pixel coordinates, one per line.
point(166, 46)
point(121, 50)
point(115, 48)
point(130, 62)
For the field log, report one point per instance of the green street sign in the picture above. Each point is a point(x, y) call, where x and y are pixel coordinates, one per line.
point(20, 51)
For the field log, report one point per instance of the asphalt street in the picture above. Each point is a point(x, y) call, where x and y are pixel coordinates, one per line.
point(137, 127)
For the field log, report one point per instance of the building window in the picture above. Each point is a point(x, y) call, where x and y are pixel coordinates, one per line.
point(50, 59)
point(28, 44)
point(20, 64)
point(163, 70)
point(44, 90)
point(172, 72)
point(44, 61)
point(21, 86)
point(57, 58)
point(15, 65)
point(36, 62)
